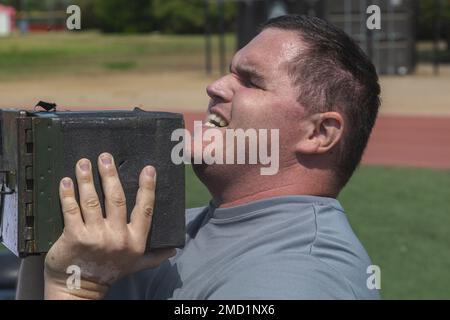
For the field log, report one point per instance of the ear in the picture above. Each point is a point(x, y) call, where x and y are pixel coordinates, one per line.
point(323, 132)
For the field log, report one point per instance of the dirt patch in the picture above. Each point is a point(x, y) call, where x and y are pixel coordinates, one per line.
point(419, 94)
point(162, 91)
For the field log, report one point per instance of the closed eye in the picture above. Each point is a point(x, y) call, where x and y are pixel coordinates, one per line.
point(248, 83)
point(248, 76)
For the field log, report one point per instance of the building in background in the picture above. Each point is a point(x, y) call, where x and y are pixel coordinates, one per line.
point(392, 49)
point(7, 20)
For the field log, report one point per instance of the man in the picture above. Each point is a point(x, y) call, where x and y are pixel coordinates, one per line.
point(262, 237)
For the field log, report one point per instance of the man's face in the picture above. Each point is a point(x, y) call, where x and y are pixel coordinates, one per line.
point(258, 92)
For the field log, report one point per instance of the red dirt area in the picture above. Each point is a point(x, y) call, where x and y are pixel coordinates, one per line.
point(422, 142)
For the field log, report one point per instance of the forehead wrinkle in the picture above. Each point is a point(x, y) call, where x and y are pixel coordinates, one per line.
point(245, 63)
point(285, 48)
point(247, 68)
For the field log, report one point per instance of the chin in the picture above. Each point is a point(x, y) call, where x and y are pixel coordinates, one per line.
point(214, 174)
point(204, 170)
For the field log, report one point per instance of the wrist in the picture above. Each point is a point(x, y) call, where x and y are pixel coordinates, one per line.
point(58, 289)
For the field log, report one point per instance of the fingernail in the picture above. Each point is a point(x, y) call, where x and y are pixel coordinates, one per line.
point(150, 171)
point(106, 159)
point(84, 166)
point(67, 183)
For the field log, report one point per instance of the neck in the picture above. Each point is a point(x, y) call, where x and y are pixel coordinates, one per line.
point(275, 192)
point(229, 191)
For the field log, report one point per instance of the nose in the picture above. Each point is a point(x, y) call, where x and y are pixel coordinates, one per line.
point(221, 90)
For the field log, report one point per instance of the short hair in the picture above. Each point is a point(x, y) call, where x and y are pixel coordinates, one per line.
point(334, 74)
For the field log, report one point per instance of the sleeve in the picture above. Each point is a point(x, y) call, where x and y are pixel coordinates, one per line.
point(132, 287)
point(287, 277)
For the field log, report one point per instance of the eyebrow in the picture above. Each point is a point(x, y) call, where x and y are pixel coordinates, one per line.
point(249, 72)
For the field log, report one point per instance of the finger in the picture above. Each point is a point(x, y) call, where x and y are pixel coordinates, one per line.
point(154, 259)
point(141, 217)
point(90, 205)
point(71, 210)
point(115, 202)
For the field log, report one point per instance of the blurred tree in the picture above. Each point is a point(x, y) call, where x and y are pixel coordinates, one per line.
point(124, 15)
point(181, 16)
point(14, 3)
point(168, 16)
point(427, 19)
point(178, 16)
point(89, 19)
point(29, 4)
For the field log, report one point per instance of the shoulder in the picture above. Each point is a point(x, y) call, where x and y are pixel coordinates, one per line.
point(337, 246)
point(193, 213)
point(330, 263)
point(195, 218)
point(283, 276)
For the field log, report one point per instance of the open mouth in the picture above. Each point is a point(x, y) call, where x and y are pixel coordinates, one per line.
point(214, 120)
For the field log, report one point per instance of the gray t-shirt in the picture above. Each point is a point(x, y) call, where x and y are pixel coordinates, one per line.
point(288, 247)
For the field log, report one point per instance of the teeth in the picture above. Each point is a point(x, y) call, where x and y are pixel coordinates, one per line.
point(215, 121)
point(213, 117)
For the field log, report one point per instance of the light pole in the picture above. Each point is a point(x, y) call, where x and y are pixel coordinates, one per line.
point(208, 57)
point(221, 9)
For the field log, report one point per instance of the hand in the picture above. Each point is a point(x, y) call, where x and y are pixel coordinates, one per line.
point(104, 249)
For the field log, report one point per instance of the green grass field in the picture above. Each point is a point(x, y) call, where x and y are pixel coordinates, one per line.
point(72, 53)
point(402, 217)
point(69, 53)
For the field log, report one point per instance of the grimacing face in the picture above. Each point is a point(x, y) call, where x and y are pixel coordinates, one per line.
point(258, 92)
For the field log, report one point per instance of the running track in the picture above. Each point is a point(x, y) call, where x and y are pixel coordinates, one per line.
point(422, 142)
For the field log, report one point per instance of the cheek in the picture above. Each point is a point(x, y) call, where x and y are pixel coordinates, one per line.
point(247, 109)
point(286, 116)
point(259, 109)
point(281, 115)
point(256, 109)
